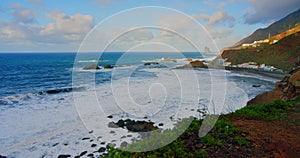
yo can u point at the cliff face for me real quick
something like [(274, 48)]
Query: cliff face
[(283, 54), (275, 28)]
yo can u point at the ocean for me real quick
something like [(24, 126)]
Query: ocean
[(48, 103)]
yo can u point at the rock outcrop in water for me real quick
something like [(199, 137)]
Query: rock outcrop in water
[(194, 64), (286, 89), (108, 66), (151, 63), (92, 67)]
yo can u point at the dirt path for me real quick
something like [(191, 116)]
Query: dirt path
[(281, 138)]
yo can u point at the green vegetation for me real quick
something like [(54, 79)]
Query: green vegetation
[(223, 134), (209, 140), (269, 112), (242, 141), (282, 54), (217, 137)]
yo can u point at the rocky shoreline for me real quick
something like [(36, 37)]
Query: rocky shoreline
[(288, 88)]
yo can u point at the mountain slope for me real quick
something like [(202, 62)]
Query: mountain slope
[(283, 54), (277, 27)]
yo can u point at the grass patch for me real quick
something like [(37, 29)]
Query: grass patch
[(242, 141), (209, 140), (269, 112)]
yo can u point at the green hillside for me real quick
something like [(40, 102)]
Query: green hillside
[(283, 54)]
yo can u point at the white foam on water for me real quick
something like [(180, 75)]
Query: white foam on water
[(35, 128)]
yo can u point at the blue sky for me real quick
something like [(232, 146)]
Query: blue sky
[(59, 26)]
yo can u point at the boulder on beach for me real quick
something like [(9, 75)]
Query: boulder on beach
[(134, 126), (92, 67)]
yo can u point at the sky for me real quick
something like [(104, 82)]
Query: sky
[(133, 25)]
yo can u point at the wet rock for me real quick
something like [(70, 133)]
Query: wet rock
[(2, 156), (160, 124), (91, 131), (129, 135), (112, 132), (151, 63), (52, 145), (102, 143), (139, 126), (64, 156), (101, 149), (108, 66), (85, 138), (256, 86), (123, 144), (112, 125), (90, 155), (93, 145), (123, 137), (83, 153), (92, 67), (109, 116), (134, 126), (121, 123)]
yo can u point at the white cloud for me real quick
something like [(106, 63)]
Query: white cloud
[(217, 18), (264, 11), (69, 27), (22, 14), (11, 33), (65, 33)]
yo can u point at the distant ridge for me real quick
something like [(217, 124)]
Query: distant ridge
[(277, 27)]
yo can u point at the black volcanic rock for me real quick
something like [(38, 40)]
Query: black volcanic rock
[(108, 66), (64, 156), (92, 67), (134, 126), (194, 64)]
